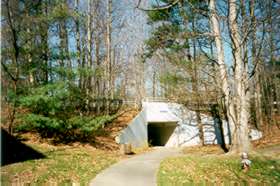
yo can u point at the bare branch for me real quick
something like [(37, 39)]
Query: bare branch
[(258, 55), (8, 72)]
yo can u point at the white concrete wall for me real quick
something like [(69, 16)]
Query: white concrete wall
[(158, 112), (136, 132), (185, 134)]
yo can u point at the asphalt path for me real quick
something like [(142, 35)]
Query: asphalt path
[(140, 170)]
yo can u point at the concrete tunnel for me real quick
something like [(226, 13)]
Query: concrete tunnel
[(160, 132), (153, 126), (156, 123)]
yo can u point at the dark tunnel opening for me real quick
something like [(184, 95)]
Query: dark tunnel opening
[(159, 133)]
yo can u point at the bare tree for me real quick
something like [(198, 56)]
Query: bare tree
[(11, 8)]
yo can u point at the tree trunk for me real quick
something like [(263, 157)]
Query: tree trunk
[(195, 87), (78, 42), (257, 92), (109, 49), (15, 60), (229, 109), (112, 73), (98, 77), (240, 141), (63, 42), (29, 45), (272, 59), (29, 59), (89, 52), (108, 65)]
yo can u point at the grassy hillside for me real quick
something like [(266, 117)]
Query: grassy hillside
[(198, 166), (75, 162), (62, 164)]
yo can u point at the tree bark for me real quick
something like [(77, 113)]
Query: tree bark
[(78, 42), (109, 49), (240, 141), (108, 65), (229, 109), (29, 59), (44, 36), (88, 77), (255, 60), (15, 59), (195, 87)]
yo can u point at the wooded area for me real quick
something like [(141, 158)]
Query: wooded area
[(69, 66)]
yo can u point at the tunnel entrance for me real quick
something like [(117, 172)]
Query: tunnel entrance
[(159, 133)]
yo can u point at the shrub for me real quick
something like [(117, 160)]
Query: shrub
[(53, 110), (75, 128)]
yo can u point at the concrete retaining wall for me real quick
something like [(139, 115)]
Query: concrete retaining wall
[(185, 134), (136, 132)]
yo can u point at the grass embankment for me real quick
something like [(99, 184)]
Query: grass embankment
[(67, 163), (63, 164), (218, 168)]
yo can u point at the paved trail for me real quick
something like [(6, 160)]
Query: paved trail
[(140, 170)]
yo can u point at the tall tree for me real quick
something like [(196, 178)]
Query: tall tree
[(110, 89), (240, 139), (235, 86)]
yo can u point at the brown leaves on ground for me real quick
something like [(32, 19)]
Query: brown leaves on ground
[(106, 140), (204, 150), (63, 164), (271, 136), (208, 165)]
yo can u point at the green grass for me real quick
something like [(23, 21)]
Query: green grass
[(188, 170), (63, 164)]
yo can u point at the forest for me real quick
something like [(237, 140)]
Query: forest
[(68, 67)]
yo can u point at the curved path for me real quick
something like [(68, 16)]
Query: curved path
[(140, 170)]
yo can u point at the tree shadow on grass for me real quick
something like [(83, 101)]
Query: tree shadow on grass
[(13, 151)]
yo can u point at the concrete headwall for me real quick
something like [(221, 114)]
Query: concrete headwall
[(136, 132), (159, 112), (185, 134)]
